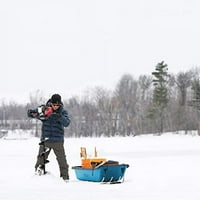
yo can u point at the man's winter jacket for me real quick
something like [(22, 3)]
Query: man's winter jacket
[(53, 126)]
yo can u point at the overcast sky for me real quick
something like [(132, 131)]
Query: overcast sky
[(68, 46)]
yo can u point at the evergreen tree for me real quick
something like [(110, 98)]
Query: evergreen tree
[(196, 90), (160, 95), (195, 102)]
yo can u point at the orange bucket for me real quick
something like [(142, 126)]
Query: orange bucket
[(91, 162)]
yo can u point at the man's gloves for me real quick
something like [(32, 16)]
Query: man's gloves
[(54, 115), (32, 113)]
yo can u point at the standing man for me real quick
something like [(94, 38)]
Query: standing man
[(54, 118)]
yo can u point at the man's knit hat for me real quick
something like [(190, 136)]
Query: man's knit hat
[(56, 98)]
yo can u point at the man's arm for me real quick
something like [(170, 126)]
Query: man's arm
[(65, 118)]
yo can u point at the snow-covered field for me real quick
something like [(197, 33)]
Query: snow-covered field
[(163, 167)]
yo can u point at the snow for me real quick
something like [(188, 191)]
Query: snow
[(161, 168)]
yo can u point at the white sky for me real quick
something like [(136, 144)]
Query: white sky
[(67, 46)]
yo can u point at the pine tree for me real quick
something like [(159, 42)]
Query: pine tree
[(196, 90), (160, 94), (195, 102)]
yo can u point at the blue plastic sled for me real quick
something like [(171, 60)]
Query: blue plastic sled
[(103, 173)]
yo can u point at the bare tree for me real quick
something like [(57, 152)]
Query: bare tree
[(144, 93), (126, 94)]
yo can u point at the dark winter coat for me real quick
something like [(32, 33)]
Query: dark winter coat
[(53, 126)]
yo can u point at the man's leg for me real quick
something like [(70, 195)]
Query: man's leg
[(58, 148)]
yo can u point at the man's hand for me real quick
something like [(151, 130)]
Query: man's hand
[(54, 115), (32, 113)]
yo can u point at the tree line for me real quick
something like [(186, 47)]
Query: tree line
[(155, 103)]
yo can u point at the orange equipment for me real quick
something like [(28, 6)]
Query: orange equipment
[(90, 162)]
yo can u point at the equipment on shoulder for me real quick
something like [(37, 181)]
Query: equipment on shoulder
[(40, 112)]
